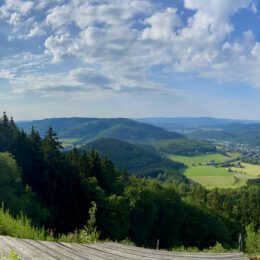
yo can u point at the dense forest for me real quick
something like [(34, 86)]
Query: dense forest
[(56, 188), (141, 160)]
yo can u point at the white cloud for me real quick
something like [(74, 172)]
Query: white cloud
[(162, 25), (120, 40), (11, 6), (254, 7)]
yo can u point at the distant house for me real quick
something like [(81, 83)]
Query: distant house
[(212, 163)]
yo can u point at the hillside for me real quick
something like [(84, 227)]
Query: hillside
[(248, 134), (185, 123), (140, 160), (231, 130), (184, 146), (83, 130)]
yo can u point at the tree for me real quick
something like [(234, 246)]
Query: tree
[(51, 146), (10, 181)]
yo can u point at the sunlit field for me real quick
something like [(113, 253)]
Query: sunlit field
[(215, 176)]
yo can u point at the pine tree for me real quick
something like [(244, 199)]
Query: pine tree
[(51, 146)]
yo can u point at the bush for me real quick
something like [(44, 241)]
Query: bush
[(19, 227), (252, 241), (217, 248)]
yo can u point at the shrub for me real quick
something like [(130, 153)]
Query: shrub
[(19, 227), (252, 241)]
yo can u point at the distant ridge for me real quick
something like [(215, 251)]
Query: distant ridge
[(181, 123), (89, 129)]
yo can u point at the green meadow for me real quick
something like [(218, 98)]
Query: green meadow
[(203, 159), (248, 169), (215, 176)]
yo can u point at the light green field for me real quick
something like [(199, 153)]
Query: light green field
[(219, 181), (211, 176), (207, 171), (248, 169), (203, 159)]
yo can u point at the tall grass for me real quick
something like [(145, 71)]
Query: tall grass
[(217, 248), (19, 227)]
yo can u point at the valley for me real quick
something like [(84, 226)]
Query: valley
[(148, 151)]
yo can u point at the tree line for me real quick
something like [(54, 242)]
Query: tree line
[(55, 189)]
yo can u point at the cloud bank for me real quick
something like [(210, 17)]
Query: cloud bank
[(115, 45)]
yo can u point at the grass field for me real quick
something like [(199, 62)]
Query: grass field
[(203, 159), (207, 171), (211, 176), (248, 169)]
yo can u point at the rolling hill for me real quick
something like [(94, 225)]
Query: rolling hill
[(184, 146), (248, 134), (137, 159), (187, 123), (231, 130), (83, 130)]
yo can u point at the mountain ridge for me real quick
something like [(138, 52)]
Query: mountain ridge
[(89, 129)]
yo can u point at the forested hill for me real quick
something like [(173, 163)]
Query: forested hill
[(231, 130), (138, 159), (185, 123), (84, 130)]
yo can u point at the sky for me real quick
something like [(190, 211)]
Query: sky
[(130, 58)]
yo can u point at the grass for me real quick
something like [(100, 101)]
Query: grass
[(12, 256), (203, 159), (21, 227), (207, 171), (217, 248), (211, 176), (248, 169)]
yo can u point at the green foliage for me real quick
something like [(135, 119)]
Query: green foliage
[(140, 160), (155, 212), (217, 248), (184, 146), (10, 180), (115, 218), (12, 256), (252, 240), (20, 227), (127, 242)]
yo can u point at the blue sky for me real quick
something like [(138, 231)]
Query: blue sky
[(130, 58)]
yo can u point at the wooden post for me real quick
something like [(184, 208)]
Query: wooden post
[(240, 242), (158, 244)]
